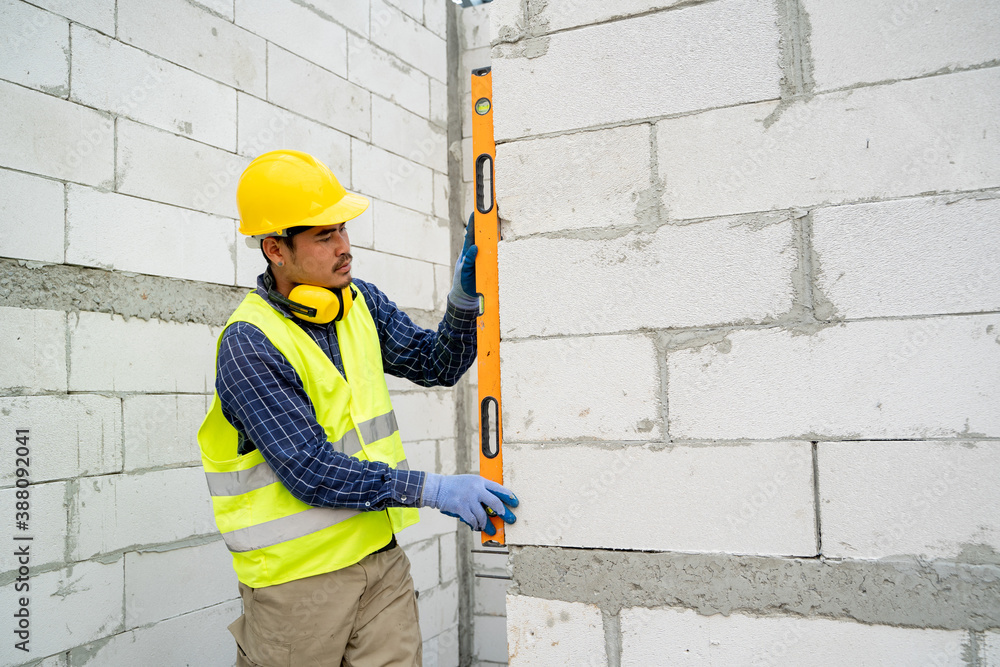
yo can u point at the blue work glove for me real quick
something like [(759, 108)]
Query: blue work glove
[(470, 498), (463, 284)]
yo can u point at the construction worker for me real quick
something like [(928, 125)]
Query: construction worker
[(305, 464)]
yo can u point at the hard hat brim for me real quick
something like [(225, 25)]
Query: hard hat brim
[(349, 207)]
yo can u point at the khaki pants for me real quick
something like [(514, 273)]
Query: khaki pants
[(363, 615)]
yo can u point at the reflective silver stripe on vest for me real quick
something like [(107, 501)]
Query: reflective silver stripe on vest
[(286, 528), (403, 465), (379, 427), (240, 481), (259, 476)]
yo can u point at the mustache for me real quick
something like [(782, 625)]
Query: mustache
[(345, 259)]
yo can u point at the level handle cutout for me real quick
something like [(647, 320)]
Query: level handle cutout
[(489, 420), (484, 183)]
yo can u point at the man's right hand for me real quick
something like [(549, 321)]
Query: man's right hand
[(467, 497)]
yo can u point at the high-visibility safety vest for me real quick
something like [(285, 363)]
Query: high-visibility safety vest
[(273, 536)]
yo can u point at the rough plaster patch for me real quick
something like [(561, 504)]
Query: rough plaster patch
[(938, 594), (74, 288)]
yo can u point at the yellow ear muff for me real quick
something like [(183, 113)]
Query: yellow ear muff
[(329, 305)]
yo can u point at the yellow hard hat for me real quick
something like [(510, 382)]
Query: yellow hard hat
[(283, 189)]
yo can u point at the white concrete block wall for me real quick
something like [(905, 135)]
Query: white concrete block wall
[(757, 498), (877, 142), (862, 41), (671, 636), (920, 256), (550, 632), (652, 66), (883, 499), (912, 378), (125, 127), (749, 317)]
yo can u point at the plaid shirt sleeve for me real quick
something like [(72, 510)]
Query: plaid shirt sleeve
[(263, 397)]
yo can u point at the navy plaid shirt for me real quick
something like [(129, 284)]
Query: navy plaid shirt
[(263, 398)]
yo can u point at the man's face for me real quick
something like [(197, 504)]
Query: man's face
[(318, 256)]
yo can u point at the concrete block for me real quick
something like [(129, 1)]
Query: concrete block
[(362, 228), (474, 27), (757, 498), (299, 85), (425, 415), (194, 38), (550, 392), (301, 28), (491, 596), (880, 142), (150, 238), (438, 609), (473, 59), (990, 649), (407, 282), (264, 127), (401, 231), (35, 48), (34, 350), (386, 75), (549, 18), (931, 499), (164, 167), (70, 436), (447, 450), (52, 137), (404, 133), (408, 40), (720, 271), (198, 638), (468, 162), (97, 14), (443, 277), (862, 41), (69, 607), (900, 379), (909, 257), (223, 8), (120, 511), (59, 660), (442, 195), (108, 353), (32, 217), (389, 177), (424, 564), (415, 10), (422, 455), (160, 430), (162, 584), (490, 641), (651, 66), (432, 524), (552, 632), (151, 91), (439, 103), (436, 16), (507, 21), (565, 182), (449, 557), (44, 520), (682, 636), (249, 262)]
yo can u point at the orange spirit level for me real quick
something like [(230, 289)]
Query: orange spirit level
[(488, 324)]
